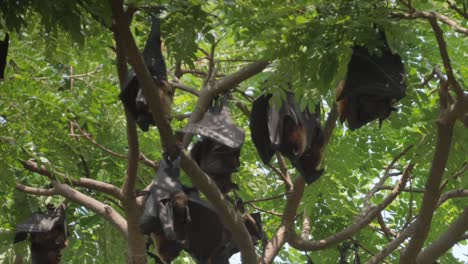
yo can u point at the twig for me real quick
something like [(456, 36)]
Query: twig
[(81, 182), (185, 88), (266, 211), (404, 234), (431, 15), (267, 198), (142, 158), (36, 191), (458, 10), (388, 187), (300, 244), (387, 232), (385, 176), (457, 174)]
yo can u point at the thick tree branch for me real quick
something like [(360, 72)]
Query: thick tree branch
[(297, 242), (228, 215), (231, 81), (212, 89), (149, 87), (459, 193), (92, 184), (230, 218), (136, 251), (446, 240), (277, 241), (431, 192)]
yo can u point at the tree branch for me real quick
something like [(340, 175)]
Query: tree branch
[(185, 88), (228, 215), (292, 203), (104, 210), (35, 191), (378, 186), (266, 211), (410, 229), (458, 10), (297, 242), (387, 232), (431, 15), (142, 158), (266, 199), (90, 203), (230, 218), (92, 184), (211, 90), (446, 240), (431, 192)]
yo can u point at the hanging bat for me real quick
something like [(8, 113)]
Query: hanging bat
[(178, 219), (217, 152), (218, 161), (3, 54), (373, 84), (132, 95), (49, 235), (294, 133)]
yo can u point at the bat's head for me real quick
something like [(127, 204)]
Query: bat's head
[(295, 138)]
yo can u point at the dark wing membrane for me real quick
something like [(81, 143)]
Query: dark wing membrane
[(259, 128), (218, 127), (372, 75), (3, 54), (157, 214), (131, 95)]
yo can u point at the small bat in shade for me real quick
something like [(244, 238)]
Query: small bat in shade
[(3, 54), (132, 95), (373, 84), (294, 133), (178, 219), (49, 234)]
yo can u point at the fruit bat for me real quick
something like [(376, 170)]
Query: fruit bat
[(49, 234), (373, 84), (178, 219), (3, 54), (217, 152), (218, 161), (132, 96), (294, 133), (217, 124)]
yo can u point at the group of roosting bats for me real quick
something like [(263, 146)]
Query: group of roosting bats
[(175, 216)]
